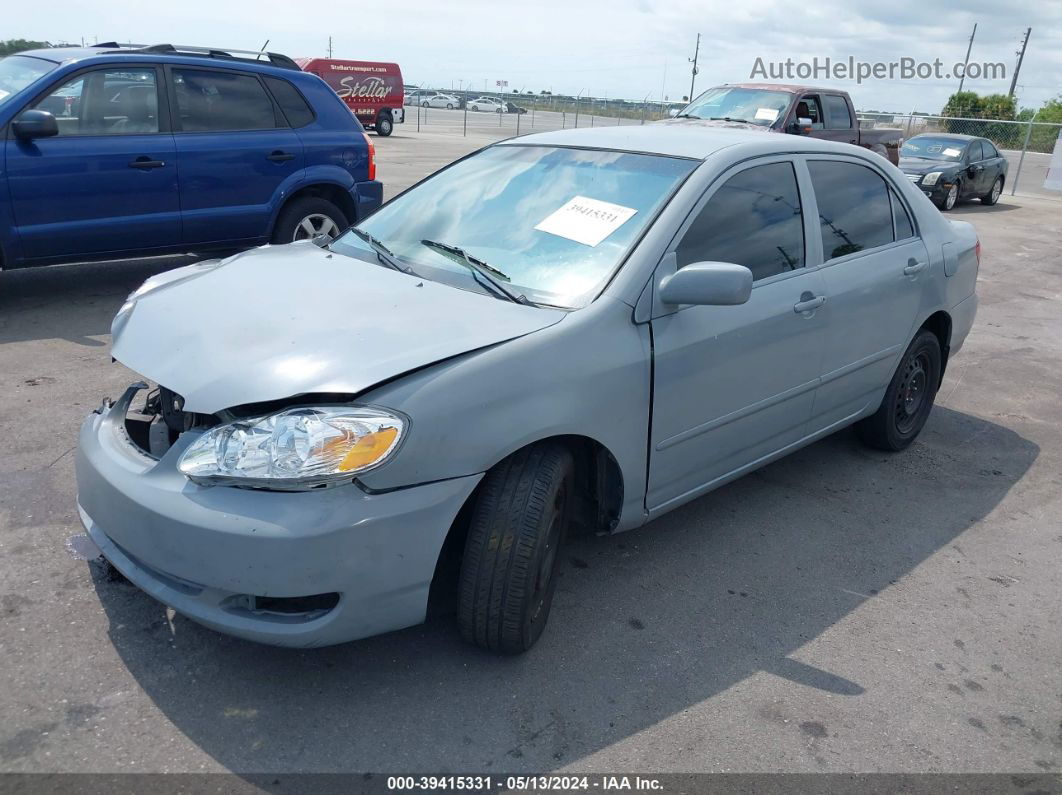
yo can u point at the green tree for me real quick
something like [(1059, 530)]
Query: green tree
[(963, 104), (11, 46)]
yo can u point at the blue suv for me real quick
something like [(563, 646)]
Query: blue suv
[(112, 152)]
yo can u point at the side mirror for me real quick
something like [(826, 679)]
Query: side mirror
[(709, 284), (35, 124), (801, 126), (673, 112), (971, 171)]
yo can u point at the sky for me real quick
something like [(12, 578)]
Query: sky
[(630, 49)]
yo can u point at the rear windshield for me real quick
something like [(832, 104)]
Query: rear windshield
[(557, 222), (18, 71)]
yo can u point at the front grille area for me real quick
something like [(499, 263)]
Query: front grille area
[(156, 425)]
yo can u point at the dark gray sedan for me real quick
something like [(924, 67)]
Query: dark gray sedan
[(576, 329), (950, 168)]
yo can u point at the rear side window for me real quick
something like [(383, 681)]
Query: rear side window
[(855, 213), (209, 101), (292, 104), (837, 115), (904, 227), (754, 219)]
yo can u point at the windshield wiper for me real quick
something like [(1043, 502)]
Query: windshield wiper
[(687, 116), (383, 253), (727, 118), (479, 268)]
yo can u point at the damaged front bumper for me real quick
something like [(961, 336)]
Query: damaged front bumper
[(308, 568)]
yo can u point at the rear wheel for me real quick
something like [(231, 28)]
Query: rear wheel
[(307, 218), (384, 125), (449, 106), (993, 195), (909, 398), (518, 525)]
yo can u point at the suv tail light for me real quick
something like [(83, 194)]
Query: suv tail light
[(372, 155)]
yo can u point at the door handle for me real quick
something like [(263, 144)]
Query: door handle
[(913, 267), (280, 157), (808, 304), (144, 162)]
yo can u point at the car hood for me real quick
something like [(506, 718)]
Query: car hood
[(281, 321), (912, 165)]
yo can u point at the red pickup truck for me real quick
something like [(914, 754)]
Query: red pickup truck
[(799, 110), (372, 91)]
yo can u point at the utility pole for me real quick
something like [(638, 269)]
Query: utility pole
[(693, 60), (1021, 57), (329, 48), (967, 61)]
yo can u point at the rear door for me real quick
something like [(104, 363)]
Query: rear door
[(234, 149), (839, 126), (735, 384), (108, 181), (875, 268)]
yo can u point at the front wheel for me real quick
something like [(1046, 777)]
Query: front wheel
[(950, 199), (449, 106), (307, 218), (518, 525), (909, 398), (993, 195)]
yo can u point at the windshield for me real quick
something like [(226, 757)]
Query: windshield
[(18, 71), (931, 148), (555, 222), (752, 105)]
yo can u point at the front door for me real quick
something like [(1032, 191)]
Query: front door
[(235, 150), (875, 267), (108, 181), (734, 384)]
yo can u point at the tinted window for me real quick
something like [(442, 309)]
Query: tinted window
[(754, 219), (115, 102), (975, 152), (989, 149), (215, 101), (294, 107), (854, 209), (837, 112), (904, 227)]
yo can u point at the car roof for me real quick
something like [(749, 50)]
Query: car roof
[(788, 88), (688, 138), (111, 53)]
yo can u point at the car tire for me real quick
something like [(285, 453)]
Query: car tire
[(449, 106), (425, 104), (474, 108), (951, 198), (385, 125), (993, 195), (290, 223), (508, 571), (908, 399)]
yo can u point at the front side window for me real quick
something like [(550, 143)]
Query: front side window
[(556, 222), (976, 154), (106, 102), (215, 101), (837, 112), (808, 108), (754, 220), (855, 213)]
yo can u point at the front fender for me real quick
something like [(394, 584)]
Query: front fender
[(588, 375)]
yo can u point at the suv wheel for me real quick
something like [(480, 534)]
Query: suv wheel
[(384, 125), (909, 398), (509, 568), (306, 218)]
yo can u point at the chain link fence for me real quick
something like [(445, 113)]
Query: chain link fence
[(1033, 149)]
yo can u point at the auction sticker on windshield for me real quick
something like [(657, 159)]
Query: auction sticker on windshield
[(587, 221), (766, 114)]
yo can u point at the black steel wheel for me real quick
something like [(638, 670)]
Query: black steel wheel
[(909, 398)]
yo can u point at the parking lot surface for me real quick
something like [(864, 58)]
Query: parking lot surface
[(840, 610)]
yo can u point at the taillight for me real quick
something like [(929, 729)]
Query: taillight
[(372, 156), (977, 251)]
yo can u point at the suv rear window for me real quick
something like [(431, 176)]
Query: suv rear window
[(294, 107), (209, 101)]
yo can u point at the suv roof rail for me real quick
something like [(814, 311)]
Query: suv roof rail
[(274, 58)]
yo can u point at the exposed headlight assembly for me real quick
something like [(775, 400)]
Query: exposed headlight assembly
[(931, 178), (296, 448)]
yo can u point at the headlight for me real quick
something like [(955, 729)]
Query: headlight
[(294, 448), (931, 178)]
